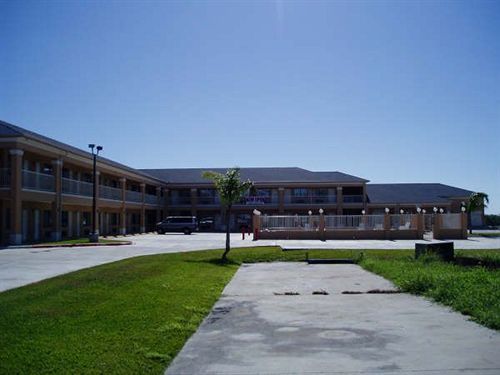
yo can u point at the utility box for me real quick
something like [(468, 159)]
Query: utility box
[(444, 250)]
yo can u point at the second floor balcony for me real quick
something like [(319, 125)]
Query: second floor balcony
[(259, 200), (133, 196), (180, 201), (109, 192), (4, 177), (353, 199), (312, 199), (150, 198), (38, 181), (76, 187)]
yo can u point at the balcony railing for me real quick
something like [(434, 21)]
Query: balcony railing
[(38, 181), (151, 199), (76, 187), (133, 196), (353, 199), (258, 200), (180, 201), (208, 200), (108, 192), (4, 177), (318, 199)]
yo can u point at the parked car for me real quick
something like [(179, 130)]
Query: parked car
[(185, 224), (206, 223)]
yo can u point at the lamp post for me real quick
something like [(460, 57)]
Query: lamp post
[(94, 235)]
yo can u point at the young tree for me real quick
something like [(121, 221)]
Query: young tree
[(476, 200), (230, 189)]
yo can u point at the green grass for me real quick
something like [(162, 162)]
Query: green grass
[(487, 234), (133, 316), (474, 291)]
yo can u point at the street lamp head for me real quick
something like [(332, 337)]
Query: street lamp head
[(99, 148), (321, 211), (91, 145), (424, 211), (463, 208), (387, 210), (441, 210), (401, 211), (310, 212), (419, 209), (363, 212), (435, 209)]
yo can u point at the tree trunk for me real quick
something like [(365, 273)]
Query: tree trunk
[(228, 236)]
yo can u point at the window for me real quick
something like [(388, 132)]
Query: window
[(64, 218), (47, 218), (85, 218), (300, 192)]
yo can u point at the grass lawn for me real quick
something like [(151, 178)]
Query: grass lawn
[(487, 234), (133, 316)]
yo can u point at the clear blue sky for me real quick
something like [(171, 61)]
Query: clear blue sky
[(390, 91)]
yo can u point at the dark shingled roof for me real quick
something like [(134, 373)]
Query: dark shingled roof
[(413, 193), (9, 130), (258, 175)]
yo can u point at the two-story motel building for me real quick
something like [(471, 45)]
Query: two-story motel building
[(46, 192)]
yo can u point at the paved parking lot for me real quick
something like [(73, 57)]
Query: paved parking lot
[(21, 266), (255, 329)]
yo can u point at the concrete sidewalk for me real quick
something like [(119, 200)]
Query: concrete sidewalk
[(21, 266), (255, 329)]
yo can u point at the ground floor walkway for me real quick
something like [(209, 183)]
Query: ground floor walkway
[(21, 266), (269, 321)]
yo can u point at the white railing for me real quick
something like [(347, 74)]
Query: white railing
[(151, 199), (401, 221), (451, 221), (289, 222), (343, 221), (133, 196), (108, 192), (38, 181), (76, 187), (4, 177)]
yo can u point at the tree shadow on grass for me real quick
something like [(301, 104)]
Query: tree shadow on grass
[(217, 262)]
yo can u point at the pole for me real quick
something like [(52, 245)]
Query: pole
[(94, 237)]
